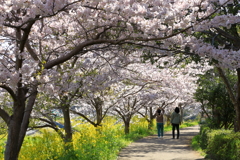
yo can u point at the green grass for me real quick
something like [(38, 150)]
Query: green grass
[(196, 146)]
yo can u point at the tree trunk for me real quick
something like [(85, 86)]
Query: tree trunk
[(237, 104), (127, 126), (151, 118), (67, 123), (235, 101), (12, 147), (18, 123), (98, 103)]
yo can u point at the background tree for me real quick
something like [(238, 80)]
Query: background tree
[(81, 90), (215, 99), (132, 95)]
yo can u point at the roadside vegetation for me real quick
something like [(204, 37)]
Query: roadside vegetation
[(217, 139), (217, 144), (89, 142)]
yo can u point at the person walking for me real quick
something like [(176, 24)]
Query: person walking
[(160, 124), (176, 121)]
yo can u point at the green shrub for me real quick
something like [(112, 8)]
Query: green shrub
[(195, 143), (203, 140), (219, 144), (224, 146)]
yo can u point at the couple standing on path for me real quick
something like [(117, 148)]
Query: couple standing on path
[(175, 121), (150, 148)]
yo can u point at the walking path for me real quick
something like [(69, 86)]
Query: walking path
[(153, 148)]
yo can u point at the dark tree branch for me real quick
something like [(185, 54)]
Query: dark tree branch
[(85, 117), (227, 35), (31, 51), (5, 116), (10, 91), (228, 86)]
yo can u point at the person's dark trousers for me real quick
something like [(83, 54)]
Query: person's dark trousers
[(173, 130)]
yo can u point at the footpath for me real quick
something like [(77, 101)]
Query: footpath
[(154, 148)]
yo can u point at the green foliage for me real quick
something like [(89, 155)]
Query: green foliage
[(138, 129), (218, 144), (148, 56), (45, 146), (224, 146), (189, 123), (195, 142), (3, 127), (2, 144), (102, 143), (204, 137), (212, 93), (196, 145), (215, 37), (5, 99)]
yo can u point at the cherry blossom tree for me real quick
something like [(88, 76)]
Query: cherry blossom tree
[(44, 115), (130, 101), (177, 81), (39, 35), (217, 38), (96, 88), (83, 88)]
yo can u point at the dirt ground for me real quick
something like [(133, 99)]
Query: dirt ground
[(153, 148)]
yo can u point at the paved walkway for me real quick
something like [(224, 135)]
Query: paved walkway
[(152, 148)]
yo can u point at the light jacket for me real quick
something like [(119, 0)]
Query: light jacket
[(176, 118)]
